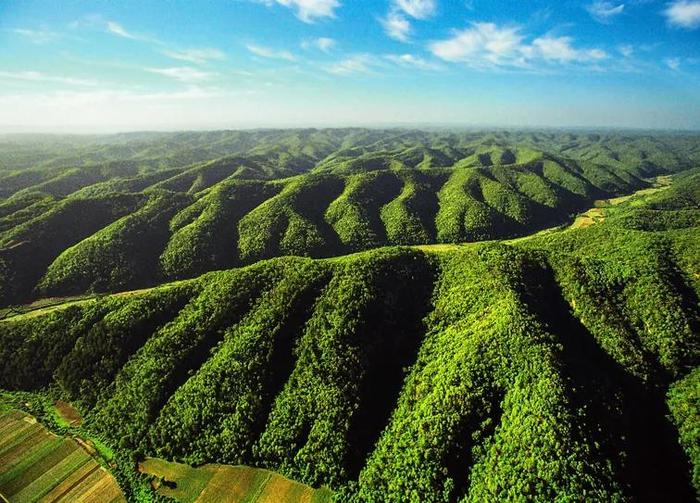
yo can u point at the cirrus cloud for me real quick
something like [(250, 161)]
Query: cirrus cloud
[(40, 36), (604, 11), (183, 73), (673, 63), (412, 61), (196, 56), (358, 63), (324, 44), (266, 52), (34, 76), (310, 10)]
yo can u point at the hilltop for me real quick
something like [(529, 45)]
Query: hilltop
[(102, 214), (560, 365)]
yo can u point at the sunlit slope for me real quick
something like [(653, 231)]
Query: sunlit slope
[(543, 370), (156, 224)]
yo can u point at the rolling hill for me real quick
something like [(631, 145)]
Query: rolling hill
[(70, 226), (407, 317)]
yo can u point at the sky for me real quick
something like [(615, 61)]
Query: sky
[(101, 66)]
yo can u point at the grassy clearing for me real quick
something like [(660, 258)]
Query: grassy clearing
[(597, 213), (67, 415), (222, 483), (177, 480), (27, 312), (590, 217), (440, 247), (44, 306), (36, 465)]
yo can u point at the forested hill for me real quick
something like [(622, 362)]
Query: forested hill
[(562, 366), (110, 213)]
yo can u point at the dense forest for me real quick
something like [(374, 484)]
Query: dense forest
[(396, 315), (122, 212)]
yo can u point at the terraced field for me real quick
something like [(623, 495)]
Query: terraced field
[(230, 484), (36, 465)]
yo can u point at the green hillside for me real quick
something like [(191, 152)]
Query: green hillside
[(214, 200), (393, 331)]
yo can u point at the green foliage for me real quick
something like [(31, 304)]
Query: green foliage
[(463, 214), (123, 254), (484, 414), (209, 241), (349, 364), (409, 218), (32, 350), (629, 292), (542, 370), (199, 422), (246, 196), (354, 215), (162, 364), (99, 354), (684, 402), (30, 247), (291, 223)]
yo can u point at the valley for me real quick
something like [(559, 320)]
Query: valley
[(409, 316)]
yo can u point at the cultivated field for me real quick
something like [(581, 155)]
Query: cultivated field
[(232, 484), (36, 465)]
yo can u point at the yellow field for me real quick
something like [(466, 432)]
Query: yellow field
[(227, 484), (590, 217), (38, 466)]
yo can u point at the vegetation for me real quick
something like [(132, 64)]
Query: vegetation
[(77, 212), (219, 482), (302, 338), (38, 465)]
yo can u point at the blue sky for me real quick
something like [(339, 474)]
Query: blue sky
[(126, 65)]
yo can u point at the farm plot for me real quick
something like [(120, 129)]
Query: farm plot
[(231, 484), (36, 465)]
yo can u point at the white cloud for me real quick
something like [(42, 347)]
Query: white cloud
[(488, 45), (183, 73), (309, 10), (559, 49), (266, 52), (119, 30), (324, 44), (396, 26), (412, 61), (684, 13), (34, 76), (196, 56), (417, 9), (483, 42), (626, 50), (604, 11), (37, 36), (673, 63), (359, 63)]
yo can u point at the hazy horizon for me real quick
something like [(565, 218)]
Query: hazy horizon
[(129, 66), (484, 128)]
